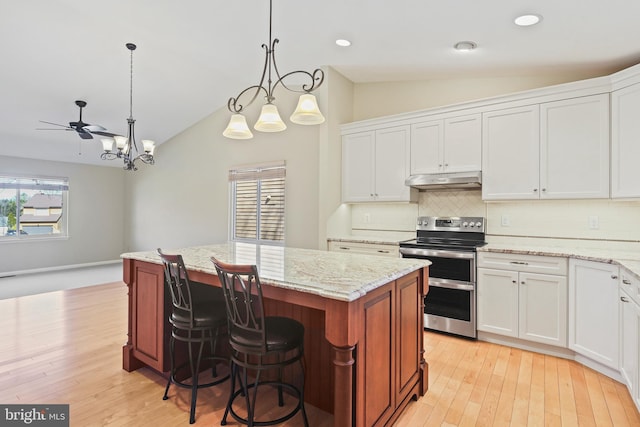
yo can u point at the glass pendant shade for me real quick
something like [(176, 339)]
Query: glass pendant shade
[(237, 128), (307, 111), (269, 120), (149, 146), (121, 142), (107, 144)]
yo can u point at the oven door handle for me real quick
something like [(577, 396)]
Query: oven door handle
[(449, 285), (437, 253)]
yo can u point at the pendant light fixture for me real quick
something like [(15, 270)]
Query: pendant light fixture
[(306, 113), (126, 147)]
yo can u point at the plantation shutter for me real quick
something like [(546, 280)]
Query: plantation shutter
[(258, 202)]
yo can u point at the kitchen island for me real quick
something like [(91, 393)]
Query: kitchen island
[(363, 318)]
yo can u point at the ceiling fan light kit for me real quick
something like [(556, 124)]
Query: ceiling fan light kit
[(307, 112), (126, 147)]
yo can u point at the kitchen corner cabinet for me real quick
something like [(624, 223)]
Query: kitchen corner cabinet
[(553, 150), (625, 142), (593, 311), (375, 165), (523, 296), (629, 340), (365, 248), (448, 145)]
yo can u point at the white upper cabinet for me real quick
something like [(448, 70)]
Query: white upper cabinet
[(511, 153), (574, 148), (625, 142), (447, 145), (554, 150), (375, 165)]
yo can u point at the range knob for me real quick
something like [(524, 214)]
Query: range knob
[(466, 224), (478, 224)]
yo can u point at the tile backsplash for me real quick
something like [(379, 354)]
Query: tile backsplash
[(590, 220)]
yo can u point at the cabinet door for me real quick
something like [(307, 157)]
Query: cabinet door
[(498, 301), (543, 308), (574, 148), (593, 311), (392, 159), (629, 354), (625, 142), (427, 143), (357, 167), (463, 144), (510, 153)]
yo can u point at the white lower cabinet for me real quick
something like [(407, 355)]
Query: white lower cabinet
[(629, 339), (519, 302), (593, 311)]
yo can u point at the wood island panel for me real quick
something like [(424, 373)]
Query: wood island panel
[(371, 345)]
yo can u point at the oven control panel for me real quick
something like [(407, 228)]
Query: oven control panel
[(450, 223)]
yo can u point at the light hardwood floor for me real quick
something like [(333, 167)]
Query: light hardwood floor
[(65, 347)]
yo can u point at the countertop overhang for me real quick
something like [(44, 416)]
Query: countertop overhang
[(335, 275)]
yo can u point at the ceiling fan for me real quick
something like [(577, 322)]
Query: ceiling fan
[(85, 130)]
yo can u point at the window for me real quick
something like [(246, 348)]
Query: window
[(32, 206), (257, 203)]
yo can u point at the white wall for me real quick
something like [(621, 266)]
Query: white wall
[(184, 199), (96, 217)]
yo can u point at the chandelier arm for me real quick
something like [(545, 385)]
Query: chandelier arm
[(233, 103), (316, 77)]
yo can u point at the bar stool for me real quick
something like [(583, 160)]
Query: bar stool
[(197, 316), (256, 340)]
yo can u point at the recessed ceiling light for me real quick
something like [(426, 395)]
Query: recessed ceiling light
[(465, 46), (343, 42), (527, 20)]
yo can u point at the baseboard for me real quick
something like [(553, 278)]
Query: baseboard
[(57, 268)]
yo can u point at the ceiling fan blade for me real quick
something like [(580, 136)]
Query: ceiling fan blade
[(55, 124), (67, 129), (85, 135), (94, 128)]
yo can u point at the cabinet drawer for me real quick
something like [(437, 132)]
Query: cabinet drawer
[(365, 248), (631, 285), (524, 263)]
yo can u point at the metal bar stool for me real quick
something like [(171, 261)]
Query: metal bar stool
[(256, 340), (197, 316)]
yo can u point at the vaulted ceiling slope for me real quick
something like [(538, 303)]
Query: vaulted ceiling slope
[(192, 56)]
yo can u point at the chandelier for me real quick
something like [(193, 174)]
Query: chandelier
[(306, 113), (126, 147)]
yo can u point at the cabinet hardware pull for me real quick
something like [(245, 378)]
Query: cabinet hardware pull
[(544, 189), (513, 281), (626, 281), (519, 262), (535, 190), (614, 277), (345, 248), (383, 251), (624, 299), (523, 283)]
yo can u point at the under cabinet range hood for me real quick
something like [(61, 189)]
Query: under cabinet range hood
[(454, 180)]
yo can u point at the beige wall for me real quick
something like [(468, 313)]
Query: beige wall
[(95, 217), (382, 99), (184, 199)]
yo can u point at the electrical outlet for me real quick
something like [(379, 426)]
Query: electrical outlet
[(594, 222), (505, 221)]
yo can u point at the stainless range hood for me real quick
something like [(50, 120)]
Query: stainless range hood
[(454, 180)]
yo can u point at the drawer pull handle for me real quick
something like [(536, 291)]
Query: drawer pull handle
[(383, 251), (345, 248), (626, 281), (624, 299), (519, 262), (614, 277)]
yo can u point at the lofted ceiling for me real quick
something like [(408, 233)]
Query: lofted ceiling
[(193, 55)]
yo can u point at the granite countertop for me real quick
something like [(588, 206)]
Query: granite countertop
[(627, 259), (334, 275), (374, 240)]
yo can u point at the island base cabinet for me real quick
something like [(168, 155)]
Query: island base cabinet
[(629, 335), (593, 311)]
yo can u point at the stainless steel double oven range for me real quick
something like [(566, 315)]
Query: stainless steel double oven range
[(450, 244)]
